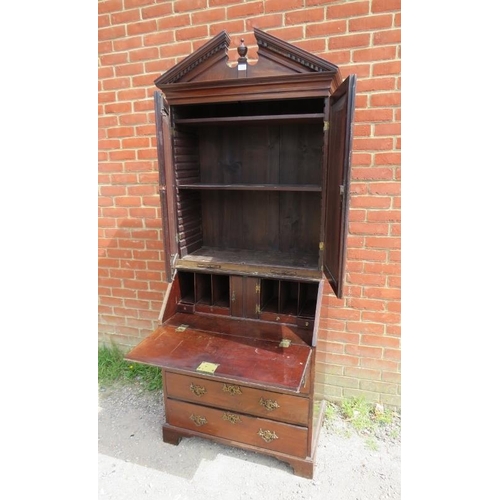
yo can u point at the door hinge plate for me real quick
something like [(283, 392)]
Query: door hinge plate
[(326, 126), (285, 343)]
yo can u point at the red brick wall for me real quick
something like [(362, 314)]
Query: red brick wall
[(359, 345)]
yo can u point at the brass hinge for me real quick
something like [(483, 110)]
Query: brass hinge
[(326, 126), (321, 245), (285, 343), (182, 328), (257, 288), (162, 188), (257, 309)]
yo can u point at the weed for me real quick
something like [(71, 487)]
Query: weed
[(113, 368)]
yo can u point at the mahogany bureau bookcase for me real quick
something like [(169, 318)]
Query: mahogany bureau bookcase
[(254, 166)]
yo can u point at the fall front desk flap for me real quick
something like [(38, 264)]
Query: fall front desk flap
[(274, 355)]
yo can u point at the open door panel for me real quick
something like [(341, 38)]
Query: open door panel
[(337, 183)]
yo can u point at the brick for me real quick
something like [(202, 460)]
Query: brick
[(392, 354), (389, 129), (111, 33), (364, 327), (131, 42), (314, 45), (367, 255), (113, 59), (122, 155), (386, 99), (281, 5), (386, 68), (381, 364), (129, 69), (387, 37), (191, 33), (374, 54), (371, 397), (208, 16), (263, 22), (354, 371), (368, 228), (155, 11), (390, 188), (381, 317), (233, 27), (380, 242), (305, 16), (328, 28), (388, 158), (246, 9), (362, 351), (337, 359), (109, 144), (116, 83), (372, 144), (370, 23), (290, 33), (347, 10), (145, 54), (386, 5), (106, 97), (131, 94), (126, 16), (141, 27), (371, 84), (372, 173), (112, 190), (373, 115), (109, 6), (366, 304), (378, 386), (349, 41), (175, 21)]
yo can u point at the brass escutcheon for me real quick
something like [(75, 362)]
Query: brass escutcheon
[(231, 417), (232, 389), (198, 390), (267, 436), (269, 404), (198, 420)]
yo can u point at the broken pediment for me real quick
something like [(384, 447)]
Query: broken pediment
[(275, 58)]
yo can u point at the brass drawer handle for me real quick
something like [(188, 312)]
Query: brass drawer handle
[(198, 390), (232, 389), (231, 417), (198, 420), (267, 436), (269, 404)]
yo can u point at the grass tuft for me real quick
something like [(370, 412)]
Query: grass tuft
[(114, 369)]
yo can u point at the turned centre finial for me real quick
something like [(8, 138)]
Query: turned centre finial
[(242, 49)]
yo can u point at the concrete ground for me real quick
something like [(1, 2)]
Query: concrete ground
[(134, 463)]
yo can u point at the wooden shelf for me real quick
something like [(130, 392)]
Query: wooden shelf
[(254, 187), (271, 119)]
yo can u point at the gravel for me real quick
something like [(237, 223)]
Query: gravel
[(135, 463)]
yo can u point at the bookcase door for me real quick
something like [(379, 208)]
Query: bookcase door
[(337, 182), (166, 181)]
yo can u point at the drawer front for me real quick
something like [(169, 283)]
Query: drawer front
[(264, 433), (272, 405)]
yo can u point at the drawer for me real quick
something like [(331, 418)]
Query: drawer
[(258, 402), (264, 433)]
